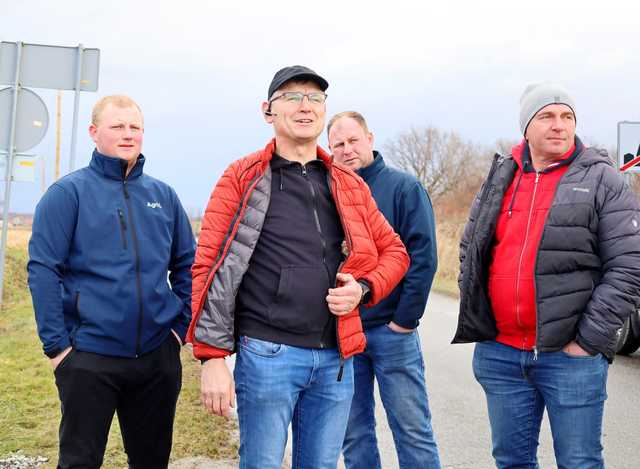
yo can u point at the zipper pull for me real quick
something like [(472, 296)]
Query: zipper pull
[(538, 173), (124, 188), (535, 354), (122, 221), (304, 170), (341, 369)]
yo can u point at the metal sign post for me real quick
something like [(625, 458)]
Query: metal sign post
[(9, 170), (76, 102), (40, 66), (58, 68)]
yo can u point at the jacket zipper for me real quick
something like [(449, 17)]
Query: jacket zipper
[(535, 268), (134, 238), (334, 192), (243, 202), (123, 228), (316, 218), (497, 161), (524, 246)]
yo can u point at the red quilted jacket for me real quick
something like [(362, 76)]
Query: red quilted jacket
[(518, 232), (375, 252)]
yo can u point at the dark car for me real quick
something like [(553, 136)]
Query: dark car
[(628, 339)]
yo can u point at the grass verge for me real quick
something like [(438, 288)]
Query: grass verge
[(30, 409), (29, 405), (448, 236)]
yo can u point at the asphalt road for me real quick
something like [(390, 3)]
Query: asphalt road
[(460, 414)]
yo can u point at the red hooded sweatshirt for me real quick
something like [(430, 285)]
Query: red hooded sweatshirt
[(518, 232)]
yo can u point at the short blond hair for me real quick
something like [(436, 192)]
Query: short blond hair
[(356, 116), (118, 100)]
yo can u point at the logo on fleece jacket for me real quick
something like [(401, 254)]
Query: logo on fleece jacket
[(154, 205)]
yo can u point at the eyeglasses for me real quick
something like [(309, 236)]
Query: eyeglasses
[(296, 97)]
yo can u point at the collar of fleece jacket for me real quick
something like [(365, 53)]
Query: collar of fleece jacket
[(114, 168)]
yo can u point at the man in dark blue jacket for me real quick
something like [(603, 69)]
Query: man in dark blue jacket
[(393, 356), (104, 239)]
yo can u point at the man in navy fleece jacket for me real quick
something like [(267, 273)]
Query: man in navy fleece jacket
[(393, 356), (104, 239)]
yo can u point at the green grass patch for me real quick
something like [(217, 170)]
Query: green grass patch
[(29, 405), (15, 276)]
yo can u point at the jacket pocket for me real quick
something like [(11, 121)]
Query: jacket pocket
[(300, 304), (76, 304), (78, 315), (263, 348), (123, 228)]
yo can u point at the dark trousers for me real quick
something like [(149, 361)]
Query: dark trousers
[(143, 391)]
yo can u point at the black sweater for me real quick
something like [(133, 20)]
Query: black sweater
[(282, 297)]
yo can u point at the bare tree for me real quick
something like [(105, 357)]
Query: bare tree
[(504, 146), (442, 161)]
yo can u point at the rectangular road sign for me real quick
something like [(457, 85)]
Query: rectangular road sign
[(24, 166), (52, 67), (628, 146)]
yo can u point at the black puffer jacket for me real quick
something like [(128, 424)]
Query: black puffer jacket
[(587, 274)]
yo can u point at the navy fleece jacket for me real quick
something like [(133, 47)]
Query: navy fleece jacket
[(407, 207), (110, 261)]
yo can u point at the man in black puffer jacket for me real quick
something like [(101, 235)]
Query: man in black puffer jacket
[(550, 269)]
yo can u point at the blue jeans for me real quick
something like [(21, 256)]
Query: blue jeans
[(278, 385), (395, 360), (519, 387)]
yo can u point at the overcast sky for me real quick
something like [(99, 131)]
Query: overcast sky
[(200, 70)]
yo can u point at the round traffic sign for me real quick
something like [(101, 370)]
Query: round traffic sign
[(32, 119)]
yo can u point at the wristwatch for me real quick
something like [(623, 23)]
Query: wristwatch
[(366, 292)]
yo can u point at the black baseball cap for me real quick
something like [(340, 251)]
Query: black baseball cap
[(297, 72)]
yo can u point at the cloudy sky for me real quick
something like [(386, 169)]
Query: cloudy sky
[(200, 69)]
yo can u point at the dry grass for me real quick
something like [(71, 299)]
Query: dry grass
[(29, 406), (448, 236), (15, 273), (18, 237)]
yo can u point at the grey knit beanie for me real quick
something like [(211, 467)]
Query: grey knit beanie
[(538, 95)]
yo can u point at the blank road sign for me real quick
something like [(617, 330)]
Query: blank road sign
[(24, 167), (32, 119), (52, 67), (628, 144)]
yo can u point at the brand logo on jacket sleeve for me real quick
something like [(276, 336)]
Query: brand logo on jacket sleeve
[(154, 205)]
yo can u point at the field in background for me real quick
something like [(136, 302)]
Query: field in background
[(18, 237), (448, 235), (29, 406)]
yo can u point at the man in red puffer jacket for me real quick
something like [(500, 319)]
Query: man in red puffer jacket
[(291, 245), (550, 269)]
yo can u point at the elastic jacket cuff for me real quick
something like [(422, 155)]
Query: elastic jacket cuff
[(205, 352), (587, 348), (406, 323), (58, 348)]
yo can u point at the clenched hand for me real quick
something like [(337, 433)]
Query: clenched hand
[(346, 297)]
